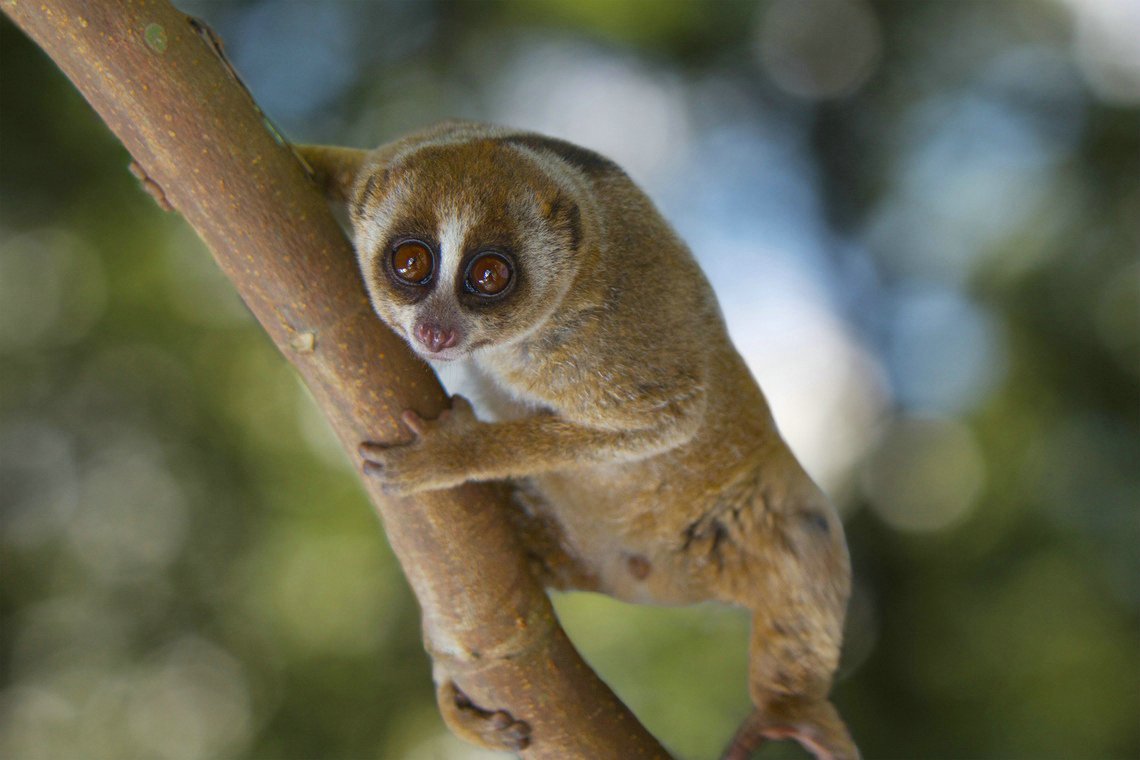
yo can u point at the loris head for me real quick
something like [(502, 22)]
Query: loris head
[(464, 241)]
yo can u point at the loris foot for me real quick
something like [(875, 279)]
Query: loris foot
[(432, 460), (491, 729), (815, 725)]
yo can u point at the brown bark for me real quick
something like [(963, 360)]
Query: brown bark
[(204, 147)]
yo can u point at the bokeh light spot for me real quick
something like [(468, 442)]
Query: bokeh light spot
[(1106, 49), (926, 474), (51, 290), (946, 354), (193, 702), (819, 49)]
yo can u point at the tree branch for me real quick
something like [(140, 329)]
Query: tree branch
[(202, 145)]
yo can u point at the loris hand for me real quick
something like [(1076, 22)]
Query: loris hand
[(434, 459)]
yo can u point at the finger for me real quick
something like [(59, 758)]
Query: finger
[(371, 451), (414, 422)]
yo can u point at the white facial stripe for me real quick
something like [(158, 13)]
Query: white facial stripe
[(452, 232), (367, 232)]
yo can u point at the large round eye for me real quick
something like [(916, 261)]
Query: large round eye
[(488, 274), (412, 262)]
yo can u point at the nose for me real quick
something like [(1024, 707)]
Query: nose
[(435, 338)]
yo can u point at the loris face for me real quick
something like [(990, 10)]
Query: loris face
[(464, 246)]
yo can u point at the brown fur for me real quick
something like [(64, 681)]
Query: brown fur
[(647, 461)]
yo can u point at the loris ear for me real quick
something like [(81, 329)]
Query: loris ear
[(564, 214), (334, 169)]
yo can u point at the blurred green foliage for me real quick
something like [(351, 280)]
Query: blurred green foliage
[(924, 222)]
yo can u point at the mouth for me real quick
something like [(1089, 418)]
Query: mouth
[(446, 355), (453, 353)]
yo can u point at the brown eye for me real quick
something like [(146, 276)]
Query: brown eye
[(488, 275), (412, 262)]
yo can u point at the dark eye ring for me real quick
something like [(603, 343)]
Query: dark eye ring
[(488, 274), (413, 262)]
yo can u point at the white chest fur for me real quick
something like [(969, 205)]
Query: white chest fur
[(492, 402)]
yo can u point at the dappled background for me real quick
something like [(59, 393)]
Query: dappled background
[(923, 222)]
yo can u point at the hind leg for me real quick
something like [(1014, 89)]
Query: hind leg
[(543, 540), (793, 655), (791, 569)]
